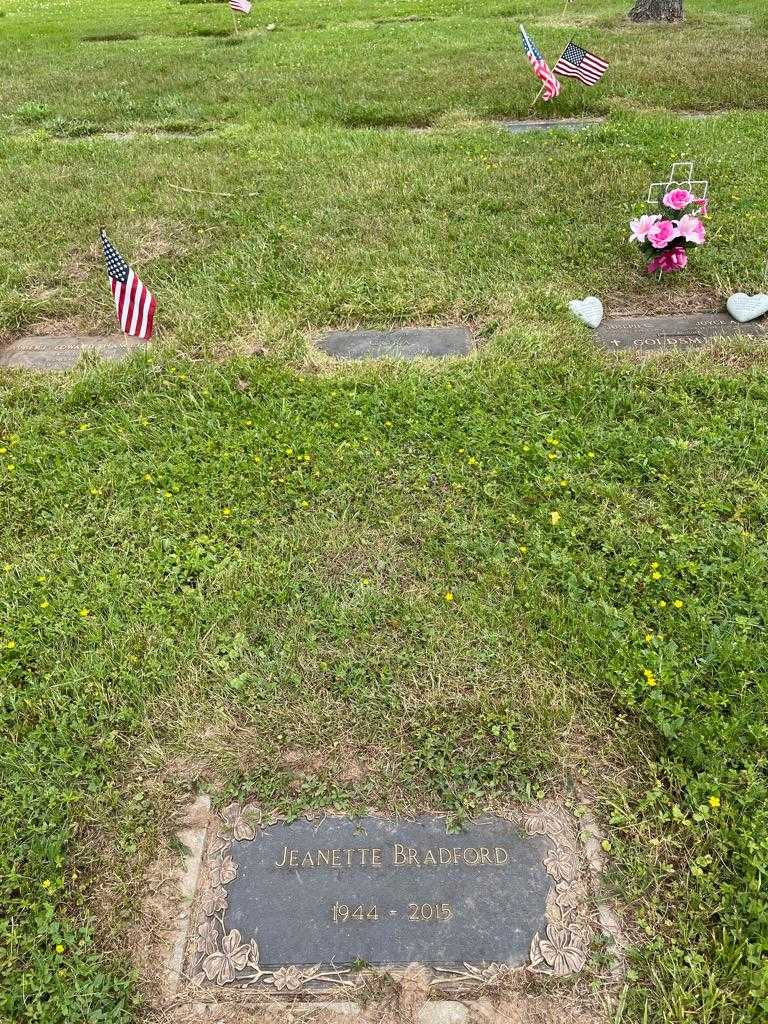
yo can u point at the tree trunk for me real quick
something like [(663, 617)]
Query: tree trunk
[(657, 10)]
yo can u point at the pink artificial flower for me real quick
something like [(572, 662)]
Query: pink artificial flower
[(676, 259), (661, 234), (678, 198), (642, 226), (703, 207), (691, 229)]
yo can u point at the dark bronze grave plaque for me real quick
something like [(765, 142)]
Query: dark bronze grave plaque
[(665, 333), (406, 343), (294, 905)]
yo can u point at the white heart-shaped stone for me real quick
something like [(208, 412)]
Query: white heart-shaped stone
[(747, 307), (590, 310)]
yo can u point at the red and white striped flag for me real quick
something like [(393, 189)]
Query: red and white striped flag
[(551, 86), (243, 6), (134, 302)]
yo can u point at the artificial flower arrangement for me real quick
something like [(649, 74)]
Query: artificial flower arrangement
[(667, 236)]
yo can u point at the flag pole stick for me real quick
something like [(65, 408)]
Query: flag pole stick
[(234, 20)]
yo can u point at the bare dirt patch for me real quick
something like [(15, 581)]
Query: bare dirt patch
[(662, 301)]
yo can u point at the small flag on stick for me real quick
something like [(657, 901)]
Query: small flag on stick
[(134, 302), (550, 86), (242, 6), (576, 62)]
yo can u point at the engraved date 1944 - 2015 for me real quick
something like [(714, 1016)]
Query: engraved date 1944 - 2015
[(342, 913)]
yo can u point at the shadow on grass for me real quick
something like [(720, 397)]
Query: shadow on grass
[(117, 37), (384, 121), (206, 33)]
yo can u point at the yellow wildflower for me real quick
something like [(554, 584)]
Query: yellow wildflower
[(85, 612), (554, 518), (449, 596), (678, 603), (714, 802)]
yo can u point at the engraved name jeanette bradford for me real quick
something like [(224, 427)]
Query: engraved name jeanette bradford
[(398, 856), (291, 906)]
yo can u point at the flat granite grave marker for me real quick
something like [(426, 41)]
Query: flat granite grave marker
[(295, 905), (61, 352), (405, 343), (569, 124), (666, 333)]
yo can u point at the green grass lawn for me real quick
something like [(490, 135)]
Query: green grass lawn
[(232, 575)]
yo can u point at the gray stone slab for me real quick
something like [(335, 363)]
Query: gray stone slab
[(665, 333), (406, 343), (388, 892), (61, 352), (569, 124)]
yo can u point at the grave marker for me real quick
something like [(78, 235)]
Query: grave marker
[(568, 124), (666, 333), (294, 906), (405, 343), (61, 352)]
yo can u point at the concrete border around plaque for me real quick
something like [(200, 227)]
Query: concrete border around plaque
[(516, 891), (400, 343), (62, 351), (671, 333)]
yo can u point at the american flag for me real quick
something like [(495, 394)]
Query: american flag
[(244, 6), (576, 62), (134, 302), (540, 67)]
